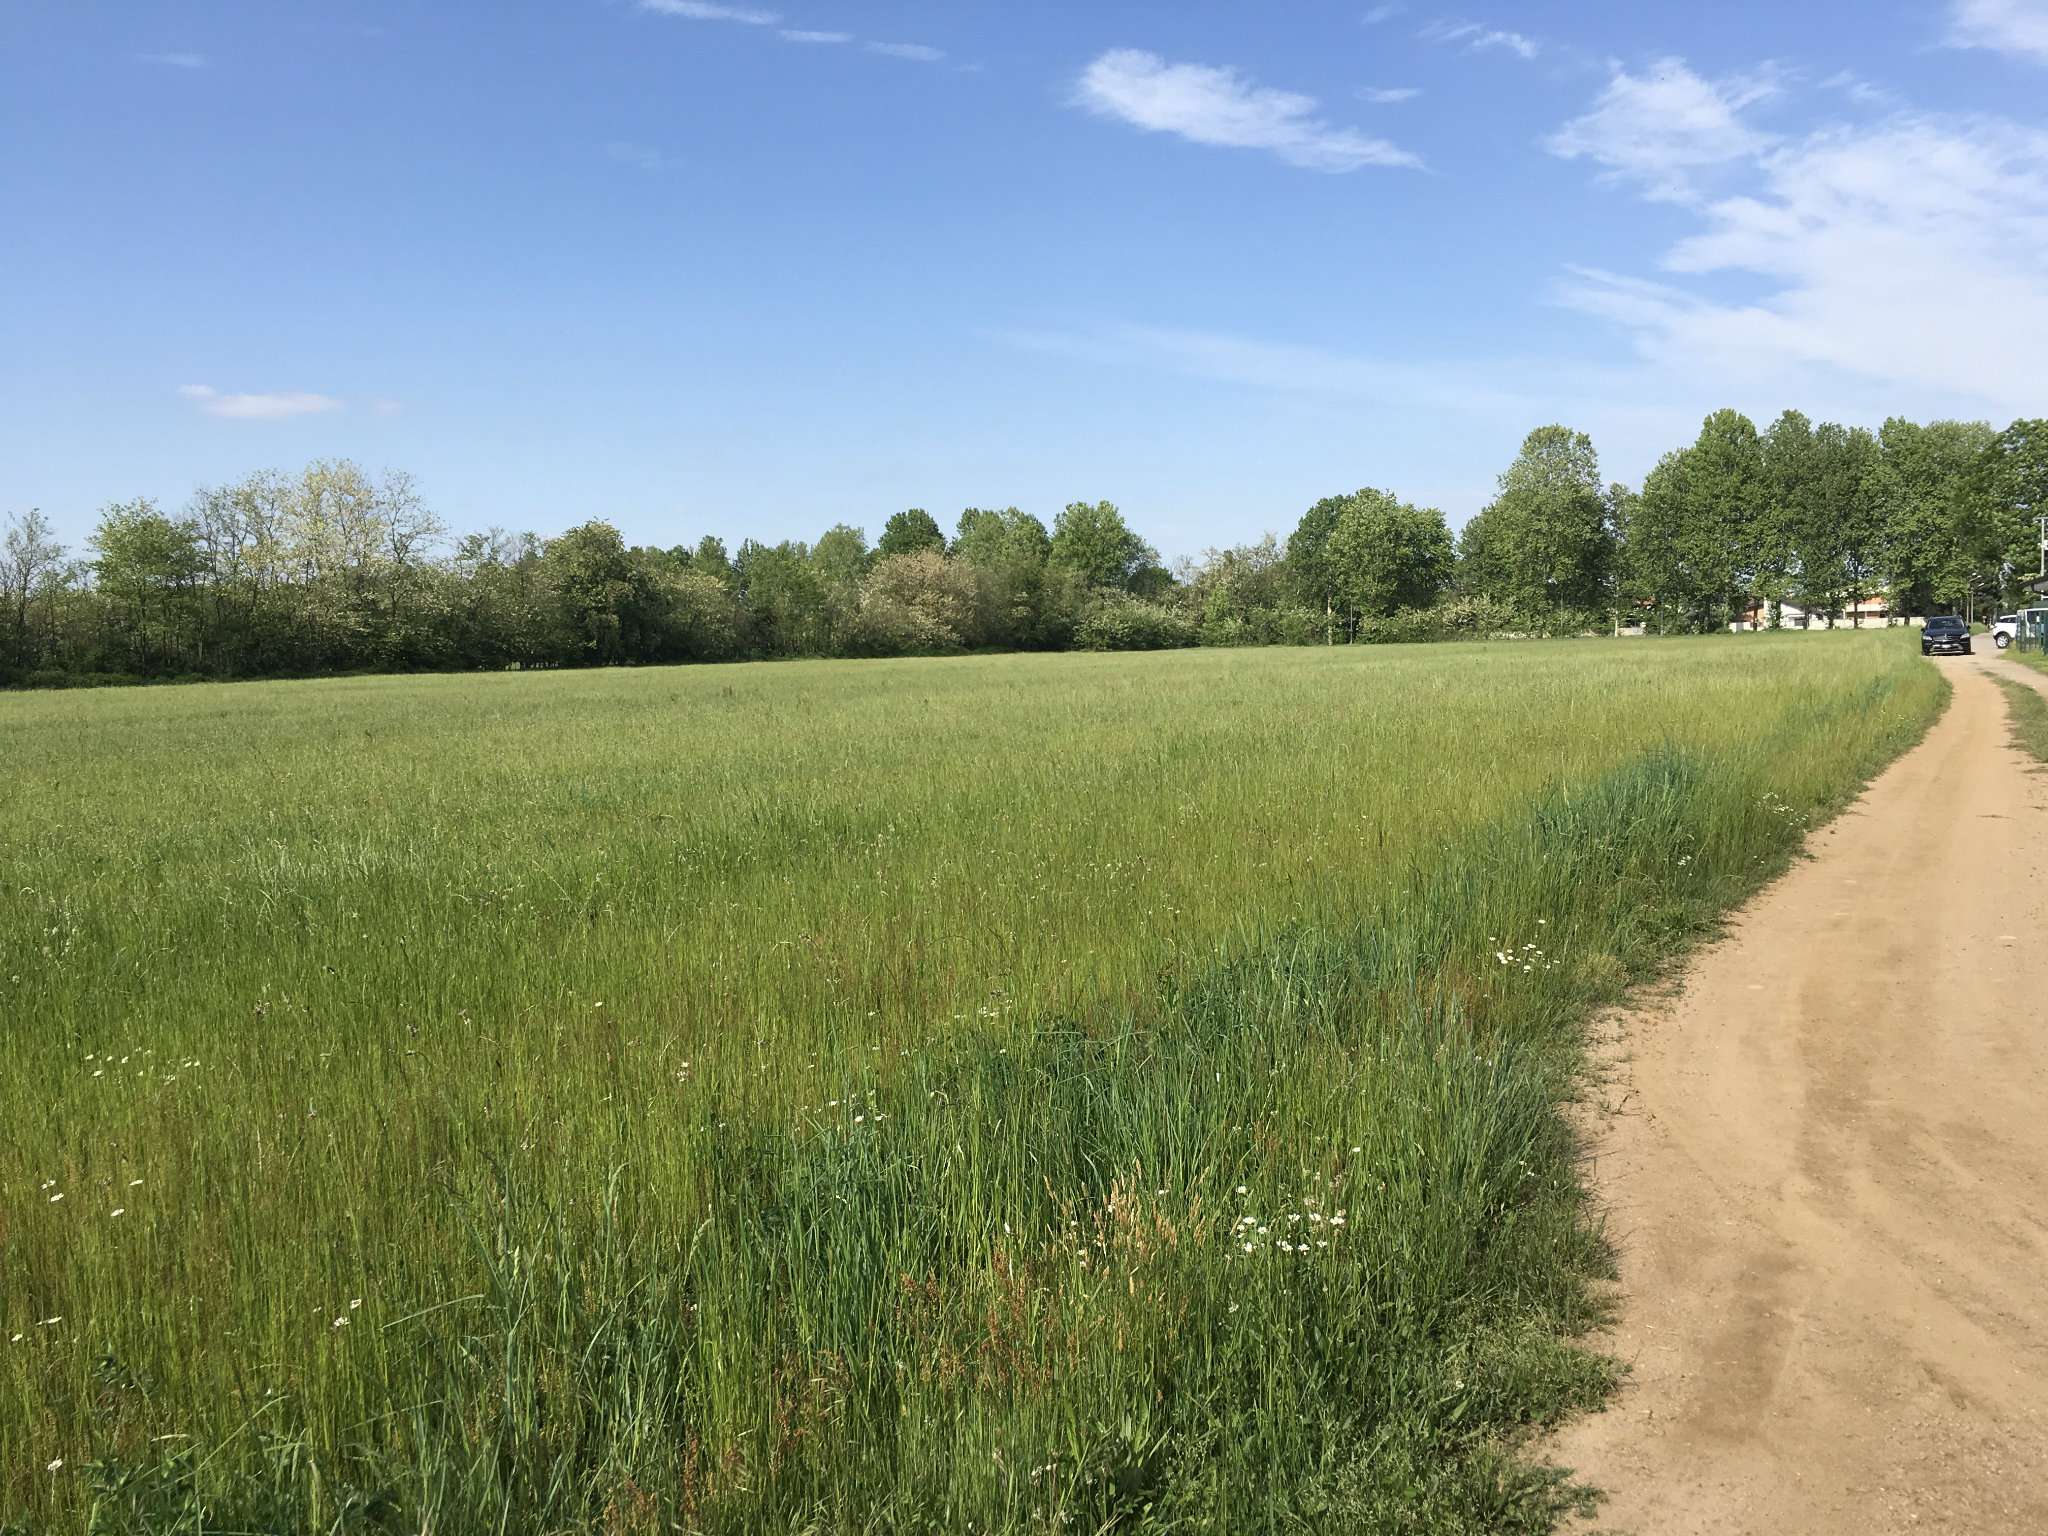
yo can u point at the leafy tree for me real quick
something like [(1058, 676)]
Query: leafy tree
[(1545, 544), (1931, 499), (784, 598), (920, 603), (146, 566), (1820, 536), (1384, 555), (1091, 540), (1007, 553), (711, 560), (596, 590), (906, 533), (1308, 561), (2014, 488), (1695, 545), (31, 562)]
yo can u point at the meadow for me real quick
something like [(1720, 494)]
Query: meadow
[(1059, 1093)]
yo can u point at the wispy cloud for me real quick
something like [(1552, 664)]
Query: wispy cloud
[(1380, 13), (2006, 26), (1208, 105), (175, 60), (1385, 96), (1859, 90), (1907, 255), (1659, 128), (272, 407), (800, 35), (704, 10), (1477, 38), (918, 53), (642, 157)]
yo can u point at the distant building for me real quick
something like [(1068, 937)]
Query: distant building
[(1874, 611)]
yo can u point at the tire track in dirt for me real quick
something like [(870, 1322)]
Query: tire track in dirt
[(1825, 1162)]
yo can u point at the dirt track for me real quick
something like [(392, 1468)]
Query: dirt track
[(1828, 1177)]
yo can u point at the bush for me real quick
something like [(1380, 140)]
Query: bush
[(1114, 621)]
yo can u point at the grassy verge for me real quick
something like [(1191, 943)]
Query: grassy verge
[(1012, 1096), (2028, 712)]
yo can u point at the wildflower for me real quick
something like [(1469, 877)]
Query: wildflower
[(1501, 955), (56, 1197), (342, 1321), (1248, 1247), (16, 1339), (1242, 1190), (135, 1183), (117, 1210), (354, 1303), (55, 1466)]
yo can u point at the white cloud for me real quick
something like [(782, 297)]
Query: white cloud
[(1478, 38), (704, 10), (1909, 255), (916, 52), (799, 35), (642, 157), (1221, 107), (1380, 13), (1859, 90), (275, 407), (1659, 128), (175, 60), (1385, 96), (2007, 26)]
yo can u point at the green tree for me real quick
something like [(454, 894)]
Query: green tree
[(1545, 544), (147, 567), (1007, 553), (1931, 498), (1384, 555), (1827, 520), (917, 604), (1091, 540), (31, 564), (597, 594), (2014, 490), (1696, 534), (908, 532)]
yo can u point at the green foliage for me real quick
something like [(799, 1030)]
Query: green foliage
[(827, 1098), (1383, 555), (1091, 541), (919, 604), (1929, 496), (1007, 552), (1546, 544), (1696, 536), (1116, 621), (910, 533)]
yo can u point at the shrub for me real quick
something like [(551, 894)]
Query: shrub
[(1113, 621)]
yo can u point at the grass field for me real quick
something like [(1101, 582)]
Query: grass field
[(1008, 1094)]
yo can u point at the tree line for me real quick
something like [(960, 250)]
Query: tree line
[(334, 569)]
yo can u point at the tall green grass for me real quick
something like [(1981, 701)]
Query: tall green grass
[(1002, 1095)]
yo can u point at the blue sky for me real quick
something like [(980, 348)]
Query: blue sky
[(755, 268)]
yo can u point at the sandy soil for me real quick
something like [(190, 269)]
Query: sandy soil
[(1826, 1165)]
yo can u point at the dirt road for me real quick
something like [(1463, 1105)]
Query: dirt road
[(1828, 1177)]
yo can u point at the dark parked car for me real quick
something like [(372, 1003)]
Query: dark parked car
[(1949, 637)]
